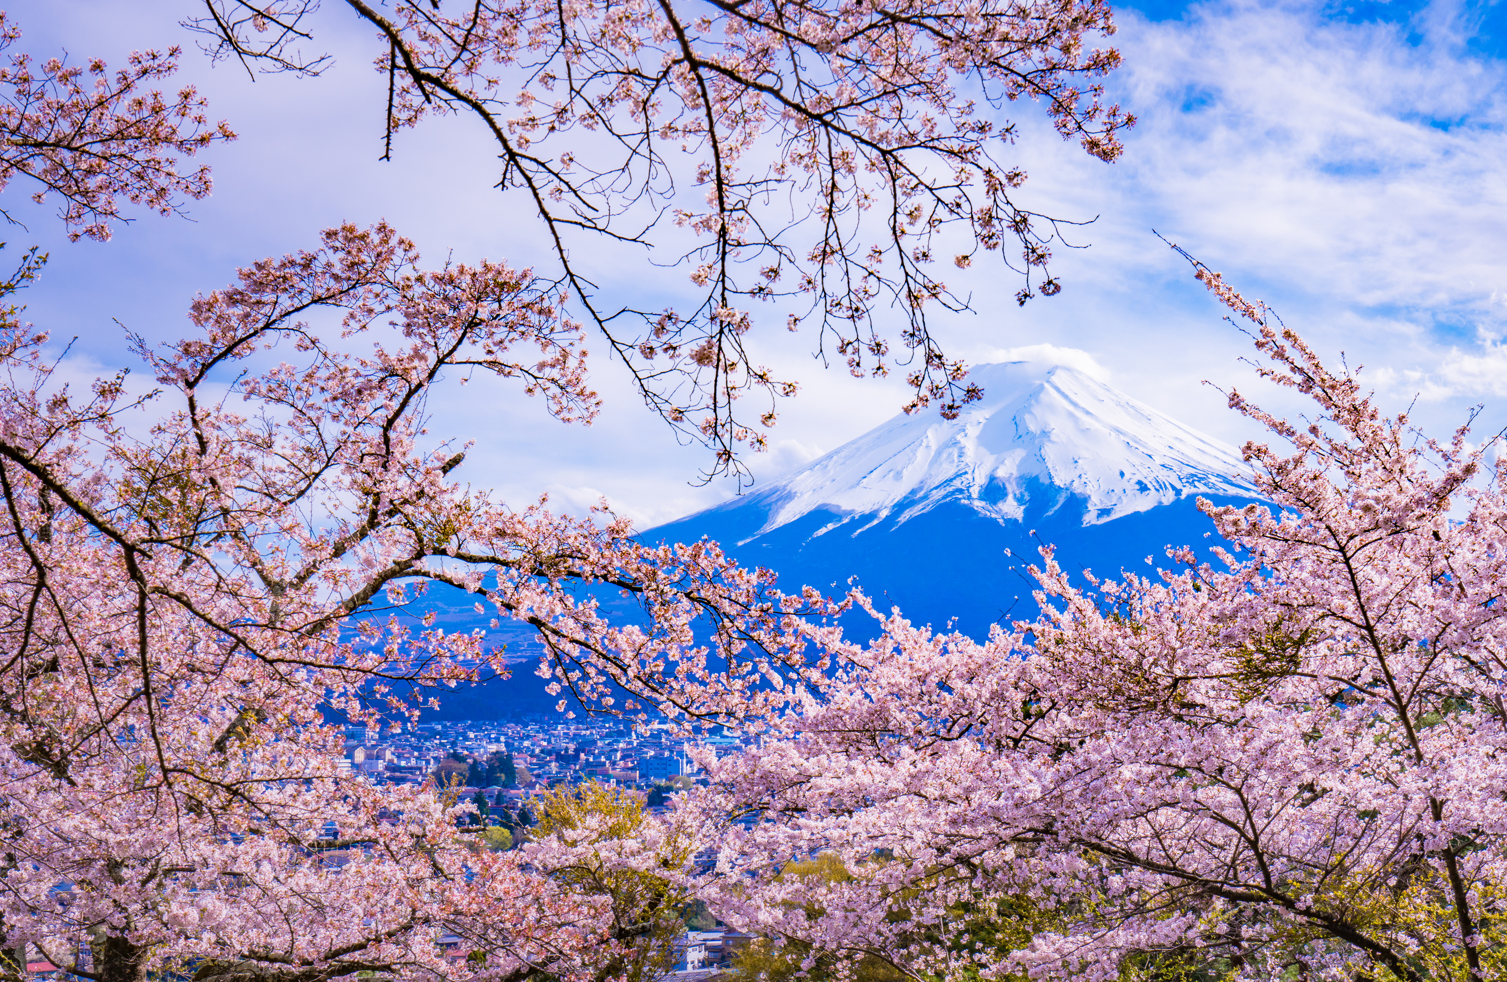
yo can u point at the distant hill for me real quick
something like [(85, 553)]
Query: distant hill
[(941, 517)]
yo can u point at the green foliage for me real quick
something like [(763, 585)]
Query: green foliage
[(497, 838), (765, 960), (1268, 658), (994, 927), (1182, 964), (698, 917), (646, 909), (985, 930)]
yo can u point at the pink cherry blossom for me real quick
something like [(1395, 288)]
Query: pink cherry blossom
[(807, 162), (177, 616)]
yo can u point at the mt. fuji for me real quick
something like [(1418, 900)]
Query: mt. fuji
[(941, 516)]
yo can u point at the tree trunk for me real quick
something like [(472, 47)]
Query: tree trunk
[(118, 960), (12, 961)]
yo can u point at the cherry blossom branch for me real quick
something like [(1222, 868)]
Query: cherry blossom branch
[(95, 139), (839, 106)]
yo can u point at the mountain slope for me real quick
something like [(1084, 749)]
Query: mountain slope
[(941, 516)]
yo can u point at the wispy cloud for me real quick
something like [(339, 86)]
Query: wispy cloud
[(1349, 173), (1290, 144), (1047, 354)]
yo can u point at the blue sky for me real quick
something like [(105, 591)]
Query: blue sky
[(1344, 161)]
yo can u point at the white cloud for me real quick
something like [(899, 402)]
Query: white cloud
[(1483, 371), (1347, 173), (1047, 354), (784, 456), (1338, 157)]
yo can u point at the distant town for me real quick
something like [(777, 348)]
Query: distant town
[(509, 760), (500, 764)]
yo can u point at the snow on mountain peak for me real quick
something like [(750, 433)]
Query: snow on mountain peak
[(1042, 437)]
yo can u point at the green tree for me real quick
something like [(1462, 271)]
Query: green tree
[(646, 909), (698, 917), (984, 931)]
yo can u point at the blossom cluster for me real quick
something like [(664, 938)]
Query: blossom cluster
[(177, 628), (94, 138), (1286, 763)]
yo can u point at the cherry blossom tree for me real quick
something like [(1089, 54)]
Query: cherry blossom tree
[(820, 155), (1288, 765), (180, 603), (1284, 767), (178, 622)]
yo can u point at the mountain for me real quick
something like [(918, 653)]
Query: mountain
[(940, 517)]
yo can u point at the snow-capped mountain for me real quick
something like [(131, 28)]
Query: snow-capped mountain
[(1050, 431), (941, 516)]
